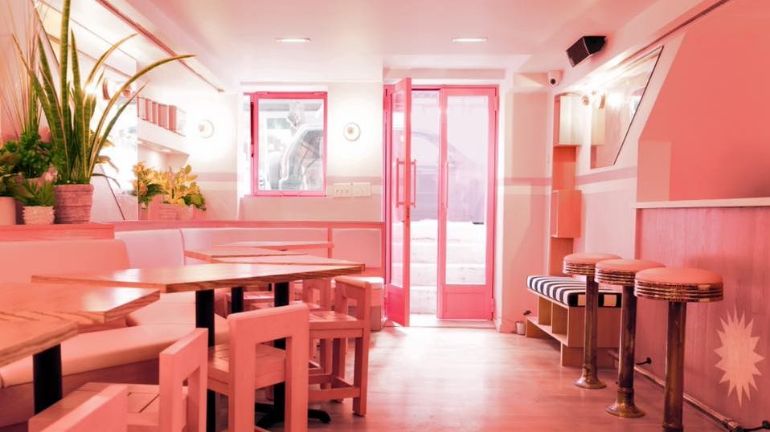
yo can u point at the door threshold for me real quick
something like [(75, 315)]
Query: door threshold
[(426, 320)]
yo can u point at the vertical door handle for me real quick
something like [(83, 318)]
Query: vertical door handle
[(397, 181), (446, 185), (414, 183)]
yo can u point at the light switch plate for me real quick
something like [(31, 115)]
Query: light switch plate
[(362, 189), (342, 190)]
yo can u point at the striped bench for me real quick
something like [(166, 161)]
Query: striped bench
[(561, 316), (570, 291)]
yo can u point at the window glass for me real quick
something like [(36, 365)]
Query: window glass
[(290, 144)]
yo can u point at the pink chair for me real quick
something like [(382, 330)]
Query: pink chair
[(246, 364), (337, 326), (104, 411), (168, 407)]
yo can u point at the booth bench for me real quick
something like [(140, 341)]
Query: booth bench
[(560, 315)]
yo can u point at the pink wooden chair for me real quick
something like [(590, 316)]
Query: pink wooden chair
[(104, 411), (246, 364), (168, 407), (338, 327)]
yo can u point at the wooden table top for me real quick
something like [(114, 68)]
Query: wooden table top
[(291, 260), (20, 339), (235, 252), (202, 276), (284, 245), (83, 304)]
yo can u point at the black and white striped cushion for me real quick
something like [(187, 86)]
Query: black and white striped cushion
[(570, 291)]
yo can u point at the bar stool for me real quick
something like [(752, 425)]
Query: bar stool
[(622, 272), (584, 264), (677, 286)]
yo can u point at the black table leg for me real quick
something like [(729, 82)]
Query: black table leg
[(47, 378), (204, 318), (236, 299), (275, 414)]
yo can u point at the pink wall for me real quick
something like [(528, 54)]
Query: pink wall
[(734, 243), (714, 106), (521, 204)]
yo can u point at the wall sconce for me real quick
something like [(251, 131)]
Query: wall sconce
[(205, 129), (352, 131)]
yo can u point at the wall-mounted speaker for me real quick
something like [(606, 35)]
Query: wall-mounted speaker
[(584, 47)]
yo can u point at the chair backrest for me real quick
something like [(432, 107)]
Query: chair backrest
[(184, 361), (106, 411), (358, 289), (153, 248), (23, 259), (249, 329)]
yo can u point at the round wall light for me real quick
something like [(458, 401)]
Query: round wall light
[(352, 131), (205, 129)]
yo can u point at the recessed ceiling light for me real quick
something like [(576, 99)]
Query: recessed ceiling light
[(294, 40), (475, 39)]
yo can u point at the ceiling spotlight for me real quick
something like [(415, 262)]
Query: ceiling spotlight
[(476, 39), (293, 40)]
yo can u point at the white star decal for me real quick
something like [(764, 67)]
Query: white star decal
[(738, 356)]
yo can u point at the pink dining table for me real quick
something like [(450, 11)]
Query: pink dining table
[(203, 279), (77, 306), (212, 254), (283, 245)]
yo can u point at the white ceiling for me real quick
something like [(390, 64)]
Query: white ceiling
[(356, 39)]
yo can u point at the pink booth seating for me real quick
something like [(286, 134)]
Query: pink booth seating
[(165, 248), (119, 354)]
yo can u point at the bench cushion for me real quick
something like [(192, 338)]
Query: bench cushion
[(153, 248), (103, 349), (23, 259), (169, 312), (569, 291)]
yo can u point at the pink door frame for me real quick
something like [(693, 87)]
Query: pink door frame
[(492, 91), (397, 298), (468, 301)]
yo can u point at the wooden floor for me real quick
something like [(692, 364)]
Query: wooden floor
[(450, 379)]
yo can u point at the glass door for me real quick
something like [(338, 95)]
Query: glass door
[(400, 166), (466, 209)]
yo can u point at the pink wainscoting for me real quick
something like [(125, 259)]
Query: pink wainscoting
[(355, 240), (735, 243), (92, 231)]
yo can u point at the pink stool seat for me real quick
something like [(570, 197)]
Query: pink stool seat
[(622, 271), (679, 285), (584, 263)]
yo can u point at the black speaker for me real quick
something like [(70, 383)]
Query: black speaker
[(584, 47)]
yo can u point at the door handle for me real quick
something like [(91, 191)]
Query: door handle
[(397, 180), (414, 183), (446, 185)]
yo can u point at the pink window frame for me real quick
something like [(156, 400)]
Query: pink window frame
[(254, 98)]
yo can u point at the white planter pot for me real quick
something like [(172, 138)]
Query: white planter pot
[(7, 211), (38, 215), (520, 327)]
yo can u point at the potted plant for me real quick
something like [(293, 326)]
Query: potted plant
[(37, 196), (78, 132), (147, 186), (182, 192), (7, 202)]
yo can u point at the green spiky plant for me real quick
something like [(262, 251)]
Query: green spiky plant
[(78, 135), (34, 193)]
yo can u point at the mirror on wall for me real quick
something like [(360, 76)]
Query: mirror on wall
[(613, 102)]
